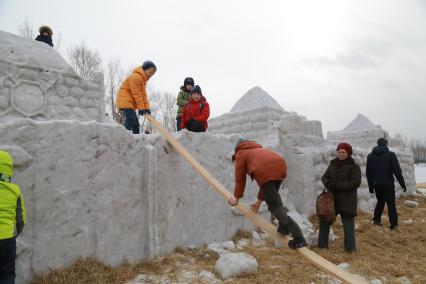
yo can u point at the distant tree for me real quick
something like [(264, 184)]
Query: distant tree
[(419, 150), (163, 108), (85, 61), (114, 76), (26, 30)]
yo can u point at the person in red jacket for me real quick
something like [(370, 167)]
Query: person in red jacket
[(196, 112), (269, 169)]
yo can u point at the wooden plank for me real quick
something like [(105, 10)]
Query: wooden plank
[(316, 259)]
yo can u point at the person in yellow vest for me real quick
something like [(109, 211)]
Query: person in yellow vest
[(12, 218), (132, 95)]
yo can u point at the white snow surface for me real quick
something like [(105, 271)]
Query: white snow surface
[(234, 264), (255, 98), (23, 50)]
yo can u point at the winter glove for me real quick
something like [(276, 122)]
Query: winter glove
[(371, 189), (404, 189), (144, 111)]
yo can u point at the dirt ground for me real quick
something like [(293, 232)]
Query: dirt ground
[(381, 253)]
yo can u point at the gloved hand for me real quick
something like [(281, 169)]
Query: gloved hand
[(404, 189), (371, 189), (144, 111)]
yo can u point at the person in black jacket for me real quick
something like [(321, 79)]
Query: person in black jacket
[(45, 35), (382, 165)]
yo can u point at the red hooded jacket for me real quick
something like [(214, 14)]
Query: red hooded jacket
[(199, 111), (260, 164)]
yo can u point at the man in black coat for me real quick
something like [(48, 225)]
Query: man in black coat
[(382, 165), (45, 35)]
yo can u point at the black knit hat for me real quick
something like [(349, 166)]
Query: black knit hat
[(188, 81), (148, 65), (197, 90)]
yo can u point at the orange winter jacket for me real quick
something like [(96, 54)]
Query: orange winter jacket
[(132, 92), (260, 164)]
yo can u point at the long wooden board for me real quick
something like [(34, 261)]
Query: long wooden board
[(319, 261)]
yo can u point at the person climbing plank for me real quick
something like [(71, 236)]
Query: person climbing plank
[(269, 170)]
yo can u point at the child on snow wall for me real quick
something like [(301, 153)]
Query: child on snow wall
[(12, 218), (183, 98), (342, 178), (269, 170), (196, 112), (132, 95), (45, 35)]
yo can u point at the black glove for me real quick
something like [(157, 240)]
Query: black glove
[(404, 189), (371, 189), (144, 111)]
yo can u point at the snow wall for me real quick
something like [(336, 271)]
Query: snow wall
[(94, 189)]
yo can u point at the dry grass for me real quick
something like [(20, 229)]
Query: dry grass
[(381, 252)]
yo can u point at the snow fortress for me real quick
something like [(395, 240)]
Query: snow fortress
[(93, 189)]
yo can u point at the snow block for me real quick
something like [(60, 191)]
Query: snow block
[(234, 264)]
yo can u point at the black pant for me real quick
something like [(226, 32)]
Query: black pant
[(275, 206), (348, 231), (178, 122), (7, 261), (195, 126), (132, 122), (385, 194)]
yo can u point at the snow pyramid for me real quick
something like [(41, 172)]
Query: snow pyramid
[(255, 98), (360, 132)]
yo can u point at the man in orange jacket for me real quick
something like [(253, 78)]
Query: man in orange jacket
[(132, 95), (268, 169)]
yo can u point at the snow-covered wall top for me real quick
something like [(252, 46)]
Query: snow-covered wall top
[(37, 83), (255, 98)]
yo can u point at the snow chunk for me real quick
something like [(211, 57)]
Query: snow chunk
[(255, 98), (345, 266), (208, 277), (221, 248), (411, 204), (234, 264), (404, 280)]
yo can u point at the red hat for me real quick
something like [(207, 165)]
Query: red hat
[(345, 146)]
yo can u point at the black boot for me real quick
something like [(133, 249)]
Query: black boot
[(297, 243)]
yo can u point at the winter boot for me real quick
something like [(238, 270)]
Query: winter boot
[(297, 243), (282, 230)]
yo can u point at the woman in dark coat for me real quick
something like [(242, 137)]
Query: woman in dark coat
[(45, 35), (342, 178)]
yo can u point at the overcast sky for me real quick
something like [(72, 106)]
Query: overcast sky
[(327, 60)]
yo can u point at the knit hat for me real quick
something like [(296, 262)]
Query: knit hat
[(345, 146), (148, 65), (382, 142), (47, 29), (196, 89), (188, 81)]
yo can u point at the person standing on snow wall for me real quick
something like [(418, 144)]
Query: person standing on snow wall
[(12, 218), (196, 112), (45, 35), (382, 165), (183, 98), (132, 95), (269, 170)]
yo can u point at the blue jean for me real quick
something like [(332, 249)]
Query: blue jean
[(7, 261), (348, 231), (132, 122)]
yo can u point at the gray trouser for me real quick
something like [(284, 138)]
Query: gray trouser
[(348, 230), (275, 206)]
